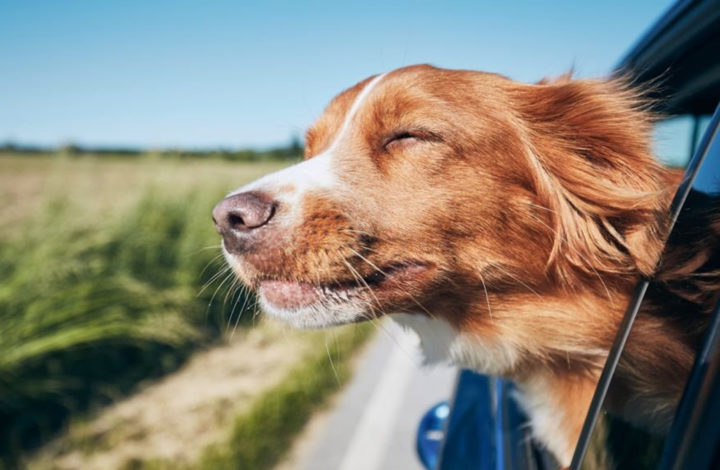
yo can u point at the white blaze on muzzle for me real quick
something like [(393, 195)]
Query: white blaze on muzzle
[(288, 186)]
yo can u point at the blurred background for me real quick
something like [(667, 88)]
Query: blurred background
[(124, 343)]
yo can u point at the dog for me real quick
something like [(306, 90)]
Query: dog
[(506, 223)]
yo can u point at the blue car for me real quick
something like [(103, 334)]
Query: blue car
[(483, 428)]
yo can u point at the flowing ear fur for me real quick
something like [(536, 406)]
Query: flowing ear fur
[(589, 149)]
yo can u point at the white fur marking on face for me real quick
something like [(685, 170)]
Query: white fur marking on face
[(295, 180), (353, 110), (290, 184)]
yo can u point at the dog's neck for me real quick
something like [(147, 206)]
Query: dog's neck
[(555, 380), (556, 367)]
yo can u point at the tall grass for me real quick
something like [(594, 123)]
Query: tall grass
[(87, 310)]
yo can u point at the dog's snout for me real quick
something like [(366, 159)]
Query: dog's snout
[(241, 213)]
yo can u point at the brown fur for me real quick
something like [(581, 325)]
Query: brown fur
[(534, 210)]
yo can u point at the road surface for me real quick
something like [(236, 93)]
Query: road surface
[(374, 422)]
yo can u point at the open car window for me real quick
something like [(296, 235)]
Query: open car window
[(676, 138), (612, 437)]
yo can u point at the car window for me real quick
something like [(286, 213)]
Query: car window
[(621, 438), (675, 138)]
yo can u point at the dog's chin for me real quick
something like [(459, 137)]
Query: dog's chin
[(304, 304), (320, 314)]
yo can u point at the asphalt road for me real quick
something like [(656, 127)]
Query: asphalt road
[(374, 423)]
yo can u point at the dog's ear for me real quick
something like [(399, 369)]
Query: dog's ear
[(589, 150)]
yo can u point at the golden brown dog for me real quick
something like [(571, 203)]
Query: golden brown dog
[(507, 223)]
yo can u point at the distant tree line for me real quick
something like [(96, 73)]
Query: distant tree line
[(292, 151)]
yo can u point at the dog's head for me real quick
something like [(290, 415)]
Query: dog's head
[(426, 190)]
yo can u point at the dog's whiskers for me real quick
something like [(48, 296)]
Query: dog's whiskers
[(362, 284), (209, 263), (215, 277), (515, 278), (231, 290), (332, 366), (209, 247), (227, 277), (244, 293), (372, 265), (487, 296)]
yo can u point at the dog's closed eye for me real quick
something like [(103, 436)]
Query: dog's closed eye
[(400, 139), (405, 138)]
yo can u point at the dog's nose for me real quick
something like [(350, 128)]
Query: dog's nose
[(239, 214)]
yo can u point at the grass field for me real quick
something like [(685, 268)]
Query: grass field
[(102, 268)]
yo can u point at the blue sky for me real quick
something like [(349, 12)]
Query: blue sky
[(218, 73)]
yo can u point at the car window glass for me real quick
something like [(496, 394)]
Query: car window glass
[(702, 125), (675, 138), (635, 418), (672, 140)]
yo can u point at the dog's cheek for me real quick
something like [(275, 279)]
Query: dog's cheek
[(323, 239), (272, 257)]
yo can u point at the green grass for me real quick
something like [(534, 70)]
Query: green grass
[(86, 312), (92, 305)]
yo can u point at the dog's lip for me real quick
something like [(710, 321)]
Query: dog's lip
[(287, 294)]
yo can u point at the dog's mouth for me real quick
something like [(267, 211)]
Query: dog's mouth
[(383, 284)]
